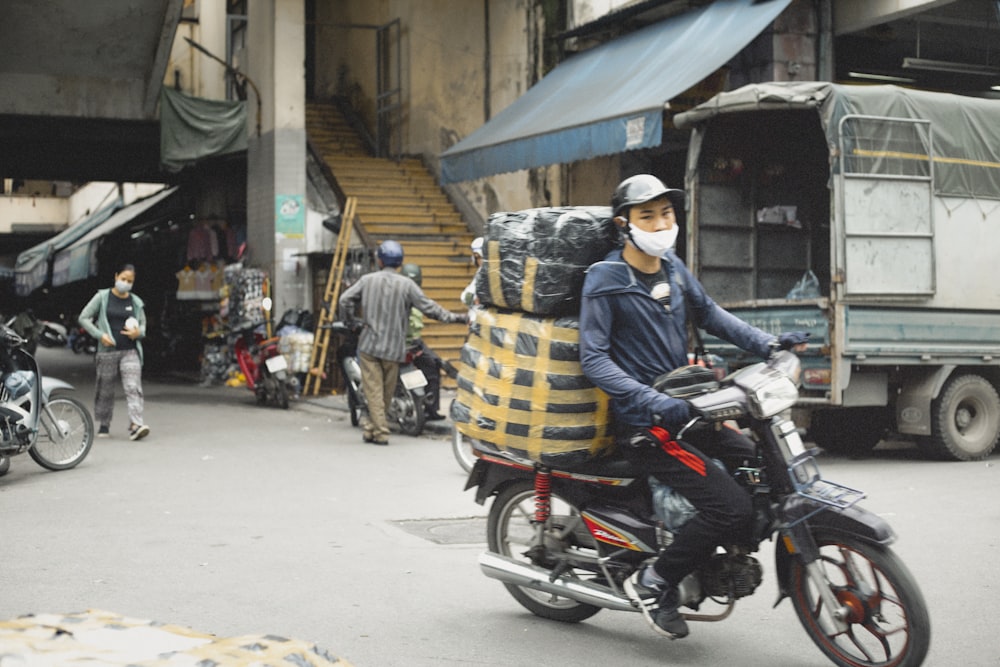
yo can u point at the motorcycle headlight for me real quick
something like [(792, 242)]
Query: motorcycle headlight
[(771, 397)]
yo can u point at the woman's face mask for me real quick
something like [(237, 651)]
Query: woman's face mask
[(123, 286), (653, 243)]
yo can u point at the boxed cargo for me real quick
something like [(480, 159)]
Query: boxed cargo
[(535, 260), (521, 389)]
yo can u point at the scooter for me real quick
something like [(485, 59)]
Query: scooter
[(57, 431), (407, 406)]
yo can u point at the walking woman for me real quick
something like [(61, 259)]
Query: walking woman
[(116, 318)]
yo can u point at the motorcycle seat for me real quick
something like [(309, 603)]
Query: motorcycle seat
[(606, 466)]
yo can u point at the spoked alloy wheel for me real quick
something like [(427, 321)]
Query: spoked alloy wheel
[(887, 619), (63, 443), (408, 413), (511, 533)]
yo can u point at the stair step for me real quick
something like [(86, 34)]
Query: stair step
[(402, 200)]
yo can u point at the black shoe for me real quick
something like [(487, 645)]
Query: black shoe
[(104, 431), (659, 606), (434, 417)]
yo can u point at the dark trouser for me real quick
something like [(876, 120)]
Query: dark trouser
[(724, 508), (430, 365)]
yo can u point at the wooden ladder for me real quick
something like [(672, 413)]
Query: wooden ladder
[(321, 341)]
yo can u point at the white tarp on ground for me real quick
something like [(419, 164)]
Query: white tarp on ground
[(104, 638)]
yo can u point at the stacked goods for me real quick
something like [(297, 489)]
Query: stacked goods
[(520, 384), (520, 388), (535, 260), (296, 346)]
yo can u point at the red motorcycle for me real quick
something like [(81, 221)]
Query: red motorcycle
[(264, 368)]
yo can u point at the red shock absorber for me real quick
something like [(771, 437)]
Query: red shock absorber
[(543, 495)]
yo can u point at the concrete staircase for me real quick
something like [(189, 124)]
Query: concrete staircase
[(402, 201)]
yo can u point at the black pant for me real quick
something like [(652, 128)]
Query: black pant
[(430, 365), (724, 508)]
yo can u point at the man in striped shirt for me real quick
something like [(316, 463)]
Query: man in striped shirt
[(386, 297)]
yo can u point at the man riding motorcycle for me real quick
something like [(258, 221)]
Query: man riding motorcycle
[(633, 328)]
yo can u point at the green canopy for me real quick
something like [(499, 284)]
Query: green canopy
[(192, 128)]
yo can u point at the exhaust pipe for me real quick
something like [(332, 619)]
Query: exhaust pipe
[(510, 571)]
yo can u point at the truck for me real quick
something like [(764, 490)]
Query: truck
[(868, 216)]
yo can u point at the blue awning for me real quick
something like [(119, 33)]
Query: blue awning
[(78, 260), (610, 99), (31, 270)]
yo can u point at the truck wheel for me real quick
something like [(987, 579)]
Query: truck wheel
[(965, 420), (849, 431)]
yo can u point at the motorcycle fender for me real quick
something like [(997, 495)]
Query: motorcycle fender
[(854, 521), (489, 478), (51, 385)]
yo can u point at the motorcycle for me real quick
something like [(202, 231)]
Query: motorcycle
[(407, 407), (52, 334), (81, 341), (262, 364), (564, 540), (57, 431)]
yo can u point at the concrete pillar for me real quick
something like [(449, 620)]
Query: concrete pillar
[(276, 159)]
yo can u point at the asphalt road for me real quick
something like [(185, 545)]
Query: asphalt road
[(234, 519)]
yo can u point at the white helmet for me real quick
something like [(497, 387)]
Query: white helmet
[(477, 246)]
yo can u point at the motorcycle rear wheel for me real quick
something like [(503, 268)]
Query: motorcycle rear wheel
[(4, 465), (510, 532), (406, 412), (63, 444), (282, 397), (888, 624)]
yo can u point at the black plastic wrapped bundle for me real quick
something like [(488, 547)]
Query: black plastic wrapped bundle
[(535, 260), (521, 388)]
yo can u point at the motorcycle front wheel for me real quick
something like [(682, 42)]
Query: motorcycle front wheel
[(510, 532), (887, 620), (65, 434), (406, 412)]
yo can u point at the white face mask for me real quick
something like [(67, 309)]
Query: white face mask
[(653, 243), (123, 287)]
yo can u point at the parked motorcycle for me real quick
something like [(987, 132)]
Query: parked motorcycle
[(27, 326), (407, 408), (564, 540), (52, 334), (262, 364), (81, 341), (56, 430)]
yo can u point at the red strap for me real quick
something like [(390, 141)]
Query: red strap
[(671, 447)]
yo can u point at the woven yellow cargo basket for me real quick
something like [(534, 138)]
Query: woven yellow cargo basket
[(521, 388)]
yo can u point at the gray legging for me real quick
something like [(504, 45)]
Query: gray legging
[(109, 366)]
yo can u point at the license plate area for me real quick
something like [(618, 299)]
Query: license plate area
[(413, 379), (276, 363)]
